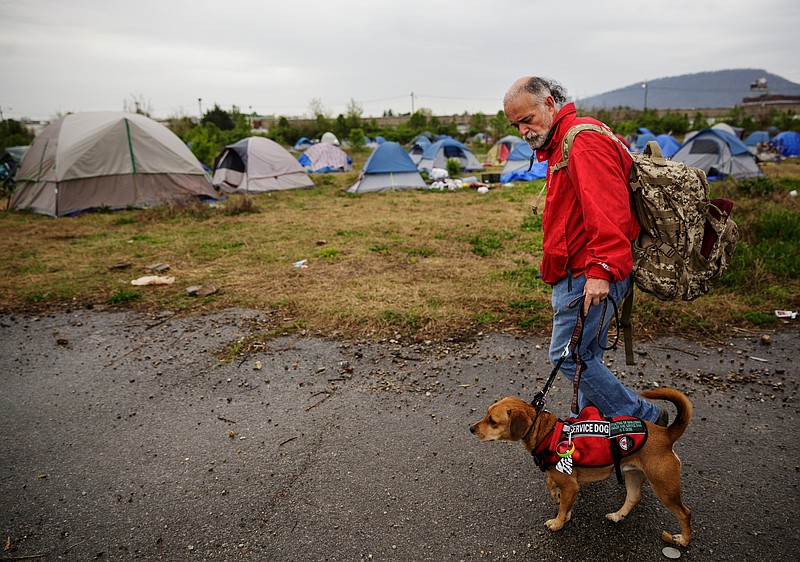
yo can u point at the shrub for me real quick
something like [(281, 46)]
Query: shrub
[(453, 167)]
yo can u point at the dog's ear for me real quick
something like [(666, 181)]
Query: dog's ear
[(519, 423)]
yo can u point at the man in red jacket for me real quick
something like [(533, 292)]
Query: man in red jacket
[(589, 225)]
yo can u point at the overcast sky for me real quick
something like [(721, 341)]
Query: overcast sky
[(276, 56)]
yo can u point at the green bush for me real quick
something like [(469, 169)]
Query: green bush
[(357, 140), (453, 167)]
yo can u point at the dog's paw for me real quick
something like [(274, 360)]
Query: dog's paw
[(675, 539), (554, 524), (616, 517)]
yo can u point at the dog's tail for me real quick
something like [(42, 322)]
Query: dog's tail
[(682, 403)]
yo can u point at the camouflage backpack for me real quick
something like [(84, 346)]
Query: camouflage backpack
[(686, 240)]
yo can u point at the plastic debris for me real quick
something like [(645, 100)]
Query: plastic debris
[(153, 280), (483, 189), (302, 264), (447, 184), (786, 314), (438, 174)]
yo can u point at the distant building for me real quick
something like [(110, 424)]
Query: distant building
[(765, 103)]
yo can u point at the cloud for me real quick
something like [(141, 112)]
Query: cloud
[(456, 56)]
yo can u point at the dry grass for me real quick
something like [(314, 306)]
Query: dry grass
[(428, 264), (377, 263)]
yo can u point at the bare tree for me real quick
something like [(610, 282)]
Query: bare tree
[(317, 109), (137, 103)]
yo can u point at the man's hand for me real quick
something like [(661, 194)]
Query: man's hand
[(595, 291)]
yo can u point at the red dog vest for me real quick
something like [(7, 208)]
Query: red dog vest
[(598, 441)]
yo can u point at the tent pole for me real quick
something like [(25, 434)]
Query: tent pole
[(138, 195)]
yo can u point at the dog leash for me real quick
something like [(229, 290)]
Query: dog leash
[(571, 349)]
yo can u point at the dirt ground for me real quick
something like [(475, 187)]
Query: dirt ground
[(125, 437)]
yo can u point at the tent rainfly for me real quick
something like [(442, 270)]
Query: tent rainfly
[(258, 164), (110, 160), (388, 168)]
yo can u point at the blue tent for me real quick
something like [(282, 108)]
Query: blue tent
[(757, 137), (718, 154), (302, 144), (388, 168), (438, 153), (641, 141), (787, 144), (519, 160), (418, 149), (669, 145)]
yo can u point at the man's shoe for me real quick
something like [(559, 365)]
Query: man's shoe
[(663, 418)]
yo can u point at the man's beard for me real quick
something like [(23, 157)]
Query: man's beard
[(535, 140)]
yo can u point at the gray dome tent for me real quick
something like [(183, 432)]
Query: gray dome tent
[(106, 159), (258, 164)]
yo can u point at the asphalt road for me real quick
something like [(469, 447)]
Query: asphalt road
[(123, 436)]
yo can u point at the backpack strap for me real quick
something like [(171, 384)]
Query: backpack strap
[(625, 322), (653, 150), (569, 138)]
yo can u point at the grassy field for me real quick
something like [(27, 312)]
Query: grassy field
[(424, 264)]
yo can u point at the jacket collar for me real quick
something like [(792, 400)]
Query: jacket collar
[(566, 113)]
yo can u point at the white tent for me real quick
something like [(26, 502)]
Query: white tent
[(330, 138), (109, 160), (258, 164)]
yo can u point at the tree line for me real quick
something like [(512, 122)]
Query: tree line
[(219, 127)]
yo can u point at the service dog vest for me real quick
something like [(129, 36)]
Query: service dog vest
[(598, 441)]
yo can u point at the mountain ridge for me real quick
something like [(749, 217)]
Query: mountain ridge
[(713, 89)]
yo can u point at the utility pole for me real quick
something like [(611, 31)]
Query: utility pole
[(412, 103), (645, 95), (200, 105)]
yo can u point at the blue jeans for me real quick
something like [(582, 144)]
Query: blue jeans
[(598, 385)]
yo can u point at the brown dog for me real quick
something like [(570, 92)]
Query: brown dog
[(513, 419)]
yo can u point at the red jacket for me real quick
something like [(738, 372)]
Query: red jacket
[(588, 218)]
